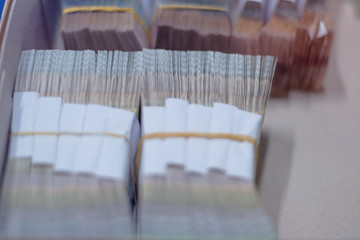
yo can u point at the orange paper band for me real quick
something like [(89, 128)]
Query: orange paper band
[(109, 134), (234, 137)]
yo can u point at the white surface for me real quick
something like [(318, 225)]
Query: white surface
[(310, 181), (153, 148), (115, 155), (322, 30), (199, 119), (23, 120), (175, 121), (240, 162), (90, 146), (221, 122), (72, 120), (47, 119)]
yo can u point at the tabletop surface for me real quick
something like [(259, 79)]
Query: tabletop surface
[(310, 179)]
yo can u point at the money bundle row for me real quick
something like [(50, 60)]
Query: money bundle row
[(153, 144), (298, 32)]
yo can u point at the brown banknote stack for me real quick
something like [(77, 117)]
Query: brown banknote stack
[(278, 39), (314, 38), (192, 26), (249, 20), (104, 25)]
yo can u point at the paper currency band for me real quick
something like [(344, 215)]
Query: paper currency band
[(135, 110), (108, 9), (192, 7), (109, 134), (233, 137), (188, 7)]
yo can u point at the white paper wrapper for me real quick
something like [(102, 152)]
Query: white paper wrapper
[(47, 120), (153, 159), (175, 121), (90, 146), (198, 120), (241, 158), (115, 152), (23, 120), (72, 120), (221, 122)]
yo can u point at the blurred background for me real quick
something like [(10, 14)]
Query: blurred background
[(309, 184)]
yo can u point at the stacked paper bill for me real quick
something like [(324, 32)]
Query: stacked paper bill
[(198, 157), (73, 171), (73, 141)]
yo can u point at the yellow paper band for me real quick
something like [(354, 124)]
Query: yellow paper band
[(107, 9), (192, 7), (135, 110), (18, 134), (234, 137)]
